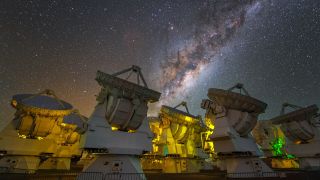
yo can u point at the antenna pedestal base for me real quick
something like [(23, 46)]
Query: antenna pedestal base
[(115, 167), (246, 167)]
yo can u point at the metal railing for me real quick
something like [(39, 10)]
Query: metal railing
[(127, 176), (72, 176), (135, 176), (255, 174), (51, 176)]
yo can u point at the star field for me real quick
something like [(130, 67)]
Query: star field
[(273, 48)]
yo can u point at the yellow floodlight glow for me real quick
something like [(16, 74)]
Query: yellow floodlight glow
[(63, 124), (39, 138), (113, 128), (188, 119), (22, 136), (297, 142), (209, 124)]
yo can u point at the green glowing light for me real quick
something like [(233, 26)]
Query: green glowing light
[(277, 145), (278, 148), (290, 156)]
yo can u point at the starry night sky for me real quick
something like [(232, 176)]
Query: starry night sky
[(272, 47)]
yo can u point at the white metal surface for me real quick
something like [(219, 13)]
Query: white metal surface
[(234, 116), (118, 128)]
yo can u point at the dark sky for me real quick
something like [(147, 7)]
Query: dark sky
[(272, 47)]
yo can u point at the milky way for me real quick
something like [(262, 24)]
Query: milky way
[(216, 24)]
